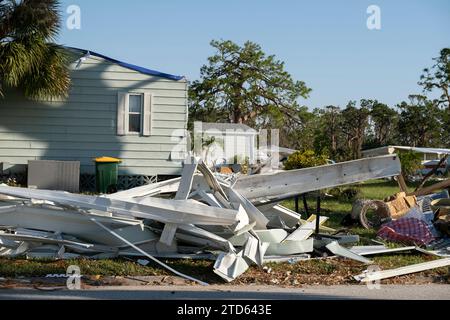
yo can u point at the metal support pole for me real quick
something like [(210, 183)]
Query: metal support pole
[(305, 205), (296, 203), (318, 213)]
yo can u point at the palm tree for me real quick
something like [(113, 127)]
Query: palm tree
[(29, 60)]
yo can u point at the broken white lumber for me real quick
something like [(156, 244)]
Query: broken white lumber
[(344, 238), (360, 249), (253, 213), (306, 230), (138, 234), (199, 183), (10, 244), (18, 237), (289, 217), (151, 247), (187, 176), (59, 220), (224, 203), (287, 184), (168, 233), (247, 228), (96, 248), (211, 179), (184, 212), (183, 192), (163, 210), (198, 241), (272, 235), (204, 237), (209, 198), (49, 251), (290, 259), (13, 252), (290, 247), (166, 186), (145, 253), (338, 250), (239, 240), (278, 222), (372, 250), (254, 250), (195, 256), (322, 228), (438, 253), (384, 274), (341, 239), (229, 266)]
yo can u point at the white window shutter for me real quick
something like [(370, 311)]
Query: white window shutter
[(147, 114), (121, 113)]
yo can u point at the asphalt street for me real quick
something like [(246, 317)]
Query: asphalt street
[(403, 292)]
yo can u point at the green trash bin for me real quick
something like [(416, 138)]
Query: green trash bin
[(106, 174)]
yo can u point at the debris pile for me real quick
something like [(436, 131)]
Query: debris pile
[(200, 215), (420, 219)]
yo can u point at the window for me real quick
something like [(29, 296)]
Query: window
[(134, 113)]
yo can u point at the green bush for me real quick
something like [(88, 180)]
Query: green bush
[(410, 161), (304, 159)]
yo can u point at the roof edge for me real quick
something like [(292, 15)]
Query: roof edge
[(129, 65)]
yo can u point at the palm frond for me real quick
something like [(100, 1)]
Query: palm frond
[(29, 18), (28, 59), (51, 78)]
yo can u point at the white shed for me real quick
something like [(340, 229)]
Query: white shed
[(223, 142)]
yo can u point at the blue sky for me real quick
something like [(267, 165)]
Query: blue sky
[(324, 43)]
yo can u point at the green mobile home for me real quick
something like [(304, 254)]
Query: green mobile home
[(113, 109)]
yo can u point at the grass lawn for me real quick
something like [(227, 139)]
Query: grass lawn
[(329, 271)]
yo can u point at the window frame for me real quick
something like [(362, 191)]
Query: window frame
[(141, 114)]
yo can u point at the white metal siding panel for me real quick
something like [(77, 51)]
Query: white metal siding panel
[(130, 84), (83, 137)]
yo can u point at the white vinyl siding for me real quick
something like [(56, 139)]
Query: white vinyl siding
[(86, 124)]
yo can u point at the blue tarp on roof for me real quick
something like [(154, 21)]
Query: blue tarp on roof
[(131, 66)]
